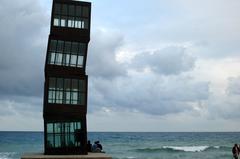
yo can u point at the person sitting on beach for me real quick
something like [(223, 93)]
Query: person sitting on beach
[(97, 147), (235, 151), (89, 146)]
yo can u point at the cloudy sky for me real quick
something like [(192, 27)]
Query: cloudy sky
[(153, 65)]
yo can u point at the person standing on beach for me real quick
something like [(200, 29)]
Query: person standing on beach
[(235, 151)]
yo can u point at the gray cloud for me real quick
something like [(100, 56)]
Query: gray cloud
[(233, 86), (170, 60), (149, 93), (102, 55), (23, 47)]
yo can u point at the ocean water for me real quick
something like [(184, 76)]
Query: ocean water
[(133, 145)]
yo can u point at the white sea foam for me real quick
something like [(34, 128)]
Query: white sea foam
[(6, 155), (187, 148)]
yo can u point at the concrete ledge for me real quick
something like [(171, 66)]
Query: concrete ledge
[(89, 156)]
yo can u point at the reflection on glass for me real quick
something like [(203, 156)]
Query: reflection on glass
[(62, 134)]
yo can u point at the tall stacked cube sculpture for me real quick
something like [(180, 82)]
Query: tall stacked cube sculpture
[(65, 87)]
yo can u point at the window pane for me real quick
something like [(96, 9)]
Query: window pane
[(78, 125), (80, 61), (64, 22), (71, 140), (52, 83), (67, 127), (82, 49), (58, 59), (67, 84), (57, 128), (78, 23), (52, 58), (75, 85), (64, 9), (50, 140), (71, 22), (65, 60), (71, 10), (67, 48), (60, 46), (81, 85), (53, 45), (59, 83), (49, 127), (85, 24), (68, 97), (56, 21), (74, 48), (81, 100), (73, 60), (78, 11), (71, 127), (85, 12), (57, 8), (74, 96), (51, 96), (57, 140), (59, 97)]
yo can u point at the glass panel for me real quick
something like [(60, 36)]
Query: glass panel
[(82, 49), (68, 97), (52, 58), (71, 10), (74, 96), (72, 127), (51, 96), (57, 140), (64, 9), (74, 48), (73, 60), (67, 84), (80, 61), (60, 83), (58, 59), (81, 85), (78, 23), (52, 83), (74, 99), (57, 8), (85, 12), (74, 85), (64, 22), (59, 97), (50, 140), (57, 128), (53, 45), (85, 24), (71, 22), (81, 99), (67, 48), (78, 11), (49, 127), (71, 140), (60, 45), (78, 125), (56, 21)]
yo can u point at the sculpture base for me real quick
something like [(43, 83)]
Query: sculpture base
[(89, 156)]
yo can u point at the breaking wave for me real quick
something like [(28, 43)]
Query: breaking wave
[(179, 149)]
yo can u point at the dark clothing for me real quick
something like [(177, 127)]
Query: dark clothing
[(89, 147), (99, 146), (235, 152)]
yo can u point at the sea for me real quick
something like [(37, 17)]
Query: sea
[(135, 145)]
